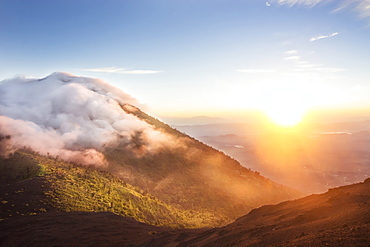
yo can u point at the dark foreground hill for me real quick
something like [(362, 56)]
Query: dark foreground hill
[(340, 217)]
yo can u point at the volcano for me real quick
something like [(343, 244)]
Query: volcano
[(60, 131)]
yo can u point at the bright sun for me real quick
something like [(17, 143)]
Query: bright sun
[(285, 108), (285, 116)]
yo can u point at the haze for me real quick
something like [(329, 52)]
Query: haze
[(280, 65), (190, 58)]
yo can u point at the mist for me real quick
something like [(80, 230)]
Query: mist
[(76, 118)]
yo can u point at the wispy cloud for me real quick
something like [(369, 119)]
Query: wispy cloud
[(323, 37), (292, 58), (363, 8), (105, 70), (122, 71), (291, 52), (299, 2), (301, 65), (140, 72), (268, 4), (360, 7), (256, 70), (307, 65), (328, 69), (318, 68)]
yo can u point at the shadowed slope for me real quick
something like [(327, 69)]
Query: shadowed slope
[(75, 229), (340, 217)]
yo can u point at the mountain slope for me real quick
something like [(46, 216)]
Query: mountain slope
[(37, 184), (75, 229), (194, 175), (340, 217), (89, 122)]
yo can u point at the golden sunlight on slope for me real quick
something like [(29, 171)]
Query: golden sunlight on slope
[(283, 153), (307, 161)]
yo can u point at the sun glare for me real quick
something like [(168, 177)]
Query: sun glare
[(285, 109), (286, 117)]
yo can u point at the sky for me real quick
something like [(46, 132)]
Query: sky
[(199, 57)]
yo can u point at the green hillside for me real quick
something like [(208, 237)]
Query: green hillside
[(36, 184)]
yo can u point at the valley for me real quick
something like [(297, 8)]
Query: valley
[(311, 159)]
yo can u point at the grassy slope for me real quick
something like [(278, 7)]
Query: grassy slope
[(340, 217), (60, 186)]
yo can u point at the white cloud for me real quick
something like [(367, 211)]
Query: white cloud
[(256, 70), (268, 4), (122, 71), (323, 37), (307, 65), (140, 72), (292, 58), (74, 117), (291, 52), (106, 70)]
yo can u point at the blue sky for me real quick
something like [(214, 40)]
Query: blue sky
[(198, 57)]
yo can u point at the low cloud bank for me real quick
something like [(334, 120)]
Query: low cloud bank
[(75, 118)]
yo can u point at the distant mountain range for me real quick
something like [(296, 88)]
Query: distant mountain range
[(311, 158), (212, 128)]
